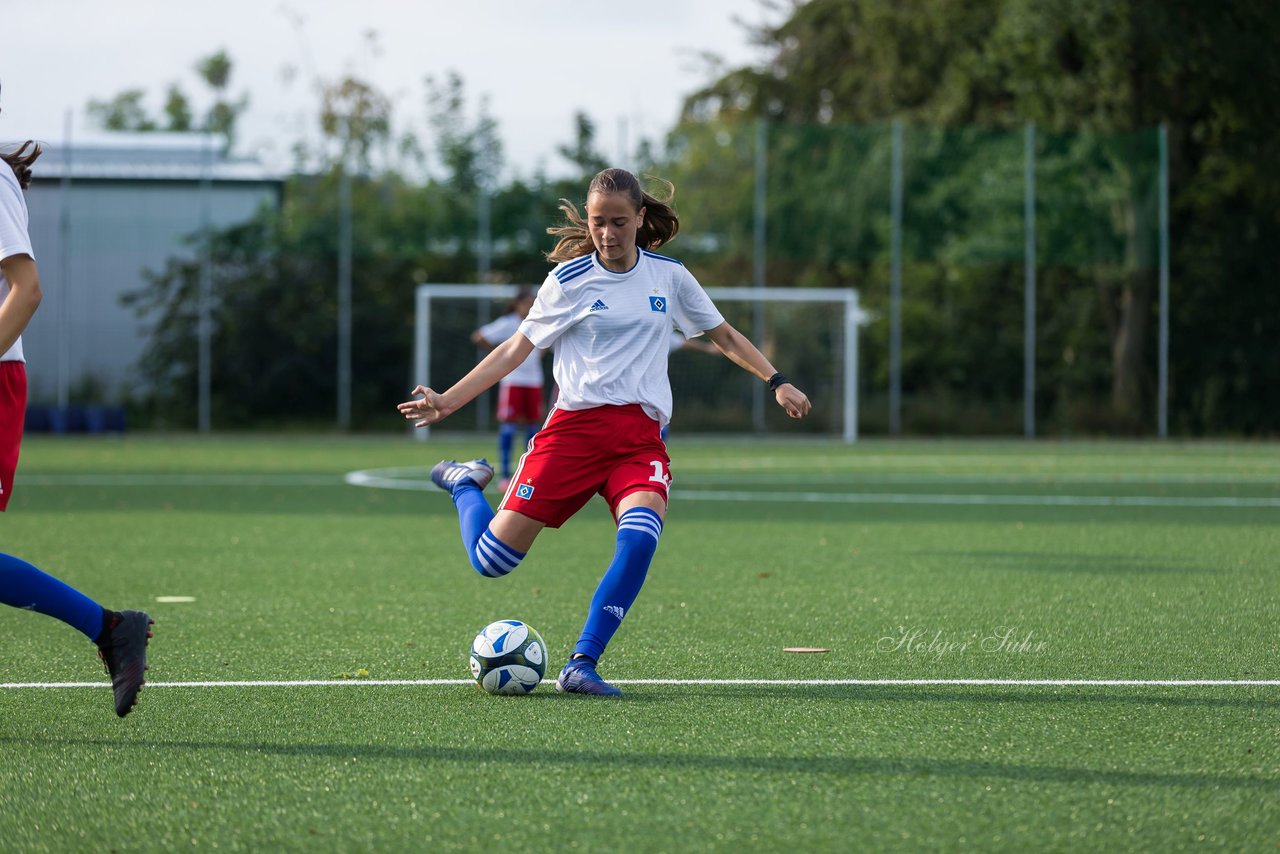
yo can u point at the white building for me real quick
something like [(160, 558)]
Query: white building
[(104, 212)]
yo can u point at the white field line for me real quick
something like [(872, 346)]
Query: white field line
[(1001, 478), (123, 479), (975, 500), (1052, 683), (410, 479), (414, 479)]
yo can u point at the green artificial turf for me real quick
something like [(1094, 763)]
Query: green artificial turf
[(916, 562)]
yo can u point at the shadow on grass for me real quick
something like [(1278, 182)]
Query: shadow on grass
[(837, 766)]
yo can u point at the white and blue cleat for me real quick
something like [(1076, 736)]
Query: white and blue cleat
[(447, 474)]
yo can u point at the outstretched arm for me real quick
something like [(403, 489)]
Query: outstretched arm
[(434, 406), (745, 355), (700, 346), (23, 299)]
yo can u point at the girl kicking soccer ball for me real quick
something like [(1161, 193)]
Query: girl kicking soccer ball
[(607, 308)]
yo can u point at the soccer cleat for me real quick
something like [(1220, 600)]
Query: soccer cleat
[(449, 473), (123, 649), (579, 677)]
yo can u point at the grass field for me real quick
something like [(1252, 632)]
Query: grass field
[(1033, 646)]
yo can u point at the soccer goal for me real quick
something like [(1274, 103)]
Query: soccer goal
[(811, 334)]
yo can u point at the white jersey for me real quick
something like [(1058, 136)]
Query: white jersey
[(527, 373), (611, 332), (14, 239)]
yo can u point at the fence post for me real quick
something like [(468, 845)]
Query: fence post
[(344, 296), (64, 270), (1163, 394), (204, 321), (1029, 299), (895, 284), (758, 237)]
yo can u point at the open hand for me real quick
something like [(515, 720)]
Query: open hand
[(426, 411)]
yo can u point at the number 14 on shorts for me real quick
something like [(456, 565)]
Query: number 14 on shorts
[(660, 476)]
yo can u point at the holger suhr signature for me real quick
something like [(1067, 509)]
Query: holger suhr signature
[(937, 643)]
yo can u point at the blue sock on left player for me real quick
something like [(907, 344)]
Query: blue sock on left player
[(638, 531), (506, 438), (24, 586), (489, 556)]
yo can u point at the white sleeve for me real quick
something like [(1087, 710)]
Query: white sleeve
[(693, 311), (14, 239), (552, 313), (499, 330)]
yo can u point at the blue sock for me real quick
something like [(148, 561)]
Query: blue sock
[(529, 433), (490, 556), (638, 532), (24, 586), (506, 438)]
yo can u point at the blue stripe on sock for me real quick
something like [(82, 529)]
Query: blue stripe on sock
[(641, 519), (494, 558)]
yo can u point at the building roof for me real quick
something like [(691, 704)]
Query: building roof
[(147, 157)]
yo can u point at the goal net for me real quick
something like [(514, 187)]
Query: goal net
[(811, 334)]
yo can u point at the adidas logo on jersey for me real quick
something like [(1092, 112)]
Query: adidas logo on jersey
[(599, 305), (616, 610)]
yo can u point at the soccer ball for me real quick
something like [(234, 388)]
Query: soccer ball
[(508, 657)]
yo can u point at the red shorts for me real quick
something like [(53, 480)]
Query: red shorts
[(13, 414), (611, 451), (520, 403)]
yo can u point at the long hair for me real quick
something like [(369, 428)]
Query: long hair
[(660, 221), (20, 160)]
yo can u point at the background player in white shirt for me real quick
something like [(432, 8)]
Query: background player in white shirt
[(121, 636), (607, 311), (520, 399)]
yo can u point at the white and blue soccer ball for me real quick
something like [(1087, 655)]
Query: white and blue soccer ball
[(508, 657)]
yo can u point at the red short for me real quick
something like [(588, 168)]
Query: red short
[(520, 403), (13, 415), (611, 451)]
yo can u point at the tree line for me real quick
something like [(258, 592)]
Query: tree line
[(1096, 78)]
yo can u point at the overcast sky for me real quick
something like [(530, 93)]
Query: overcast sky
[(628, 66)]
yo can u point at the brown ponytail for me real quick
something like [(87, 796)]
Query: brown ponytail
[(660, 221), (20, 161)]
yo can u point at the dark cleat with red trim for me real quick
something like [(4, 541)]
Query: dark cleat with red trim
[(123, 649)]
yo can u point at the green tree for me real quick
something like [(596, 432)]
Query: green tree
[(222, 116), (1096, 77), (582, 152), (470, 152), (275, 301), (124, 112), (177, 110), (356, 118), (127, 111)]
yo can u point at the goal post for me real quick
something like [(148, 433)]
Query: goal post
[(811, 334)]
